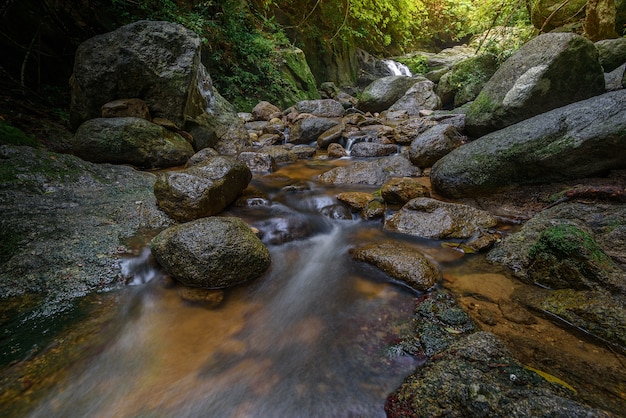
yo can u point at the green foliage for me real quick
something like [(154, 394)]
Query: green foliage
[(416, 63), (10, 135)]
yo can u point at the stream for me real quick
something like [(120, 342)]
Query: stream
[(313, 337)]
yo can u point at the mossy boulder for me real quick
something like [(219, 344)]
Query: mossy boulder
[(466, 79), (296, 72), (211, 253), (580, 140), (551, 14), (550, 71), (130, 140)]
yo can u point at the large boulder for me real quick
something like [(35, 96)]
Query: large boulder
[(384, 92), (433, 219), (574, 251), (132, 141), (158, 62), (579, 140), (375, 172), (550, 71), (211, 253), (297, 74), (201, 190), (401, 262)]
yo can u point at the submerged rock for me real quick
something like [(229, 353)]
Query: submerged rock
[(211, 253), (401, 262)]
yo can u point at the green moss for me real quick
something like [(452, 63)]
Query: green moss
[(417, 63), (10, 135), (568, 241)]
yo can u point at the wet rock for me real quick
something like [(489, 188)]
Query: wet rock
[(579, 140), (374, 209), (384, 92), (201, 157), (282, 227), (67, 217), (280, 153), (304, 152), (121, 108), (265, 111), (430, 146), (323, 108), (550, 71), (401, 262), (477, 376), (202, 190), (410, 129), (419, 97), (258, 161), (307, 130), (356, 201), (338, 212), (211, 253), (372, 149), (375, 172), (132, 141), (336, 151), (430, 218), (330, 136), (398, 191)]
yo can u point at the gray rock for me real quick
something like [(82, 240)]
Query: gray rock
[(575, 141), (280, 153), (336, 151), (550, 71), (612, 53), (429, 218), (331, 136), (410, 129), (372, 149), (323, 108), (158, 62), (121, 108), (375, 172), (201, 157), (211, 253), (384, 92), (419, 97), (132, 141), (464, 383), (258, 161), (401, 262), (136, 61), (264, 111), (398, 191), (308, 130), (202, 190), (432, 145), (64, 223)]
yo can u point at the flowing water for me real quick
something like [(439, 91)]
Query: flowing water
[(313, 337)]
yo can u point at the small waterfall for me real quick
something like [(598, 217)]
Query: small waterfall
[(397, 68)]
